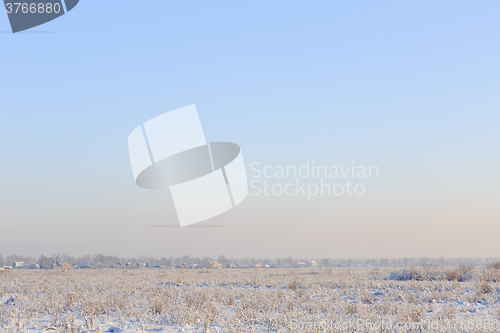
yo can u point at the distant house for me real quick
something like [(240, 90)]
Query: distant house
[(299, 264), (256, 265), (18, 265), (66, 265), (311, 263), (180, 265), (231, 265), (86, 265), (212, 264), (195, 266), (133, 265), (156, 265)]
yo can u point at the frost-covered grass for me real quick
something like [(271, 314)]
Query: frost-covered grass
[(244, 300)]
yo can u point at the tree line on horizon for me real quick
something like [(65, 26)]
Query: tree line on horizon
[(58, 259)]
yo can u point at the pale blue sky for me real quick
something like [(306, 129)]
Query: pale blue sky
[(412, 87)]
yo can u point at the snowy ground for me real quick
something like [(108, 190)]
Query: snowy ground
[(460, 299)]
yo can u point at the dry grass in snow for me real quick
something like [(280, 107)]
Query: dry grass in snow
[(246, 300)]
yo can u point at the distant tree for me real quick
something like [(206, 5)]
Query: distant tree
[(222, 260), (45, 262), (2, 263), (279, 262), (423, 261), (204, 260), (56, 258), (407, 261), (29, 260), (85, 259), (13, 258), (441, 261), (98, 258)]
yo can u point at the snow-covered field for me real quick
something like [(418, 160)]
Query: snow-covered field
[(459, 299)]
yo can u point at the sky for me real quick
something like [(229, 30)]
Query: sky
[(408, 87)]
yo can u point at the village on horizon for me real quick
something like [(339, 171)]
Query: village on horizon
[(112, 262)]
